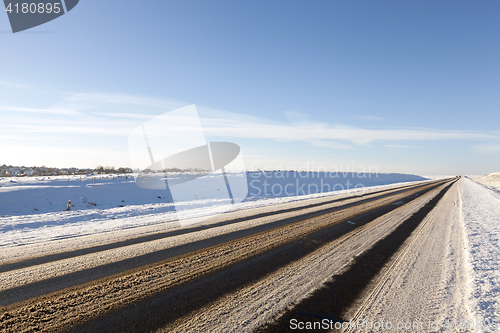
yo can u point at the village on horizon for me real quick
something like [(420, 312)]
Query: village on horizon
[(22, 171)]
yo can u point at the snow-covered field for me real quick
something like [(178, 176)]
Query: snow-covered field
[(34, 209), (481, 215), (491, 180)]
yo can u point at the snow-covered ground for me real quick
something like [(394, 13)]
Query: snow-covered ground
[(491, 180), (481, 215), (34, 209)]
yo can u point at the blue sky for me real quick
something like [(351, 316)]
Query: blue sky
[(403, 86)]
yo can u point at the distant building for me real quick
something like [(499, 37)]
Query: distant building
[(30, 173), (14, 172), (125, 170)]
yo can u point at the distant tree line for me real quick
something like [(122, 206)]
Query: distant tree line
[(23, 171), (34, 171)]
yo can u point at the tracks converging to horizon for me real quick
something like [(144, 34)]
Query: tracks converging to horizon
[(244, 271)]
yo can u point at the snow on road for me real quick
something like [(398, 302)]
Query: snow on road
[(481, 215), (257, 303), (423, 288)]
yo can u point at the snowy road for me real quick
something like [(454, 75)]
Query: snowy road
[(443, 277), (481, 215), (425, 285), (248, 254)]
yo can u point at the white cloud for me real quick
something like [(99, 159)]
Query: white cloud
[(399, 146), (368, 117), (125, 115), (98, 117), (323, 133), (11, 137), (82, 101), (54, 111), (105, 116), (102, 129), (488, 148), (229, 124), (296, 116), (14, 85)]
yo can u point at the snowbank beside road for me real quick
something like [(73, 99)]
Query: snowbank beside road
[(481, 214), (491, 180)]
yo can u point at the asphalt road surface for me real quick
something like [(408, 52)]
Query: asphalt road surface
[(350, 257)]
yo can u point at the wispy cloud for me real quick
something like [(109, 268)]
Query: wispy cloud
[(54, 111), (125, 115), (89, 101), (95, 114), (108, 114), (102, 129), (14, 85), (11, 137), (98, 114), (488, 148), (322, 134), (295, 116), (399, 146), (368, 117)]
